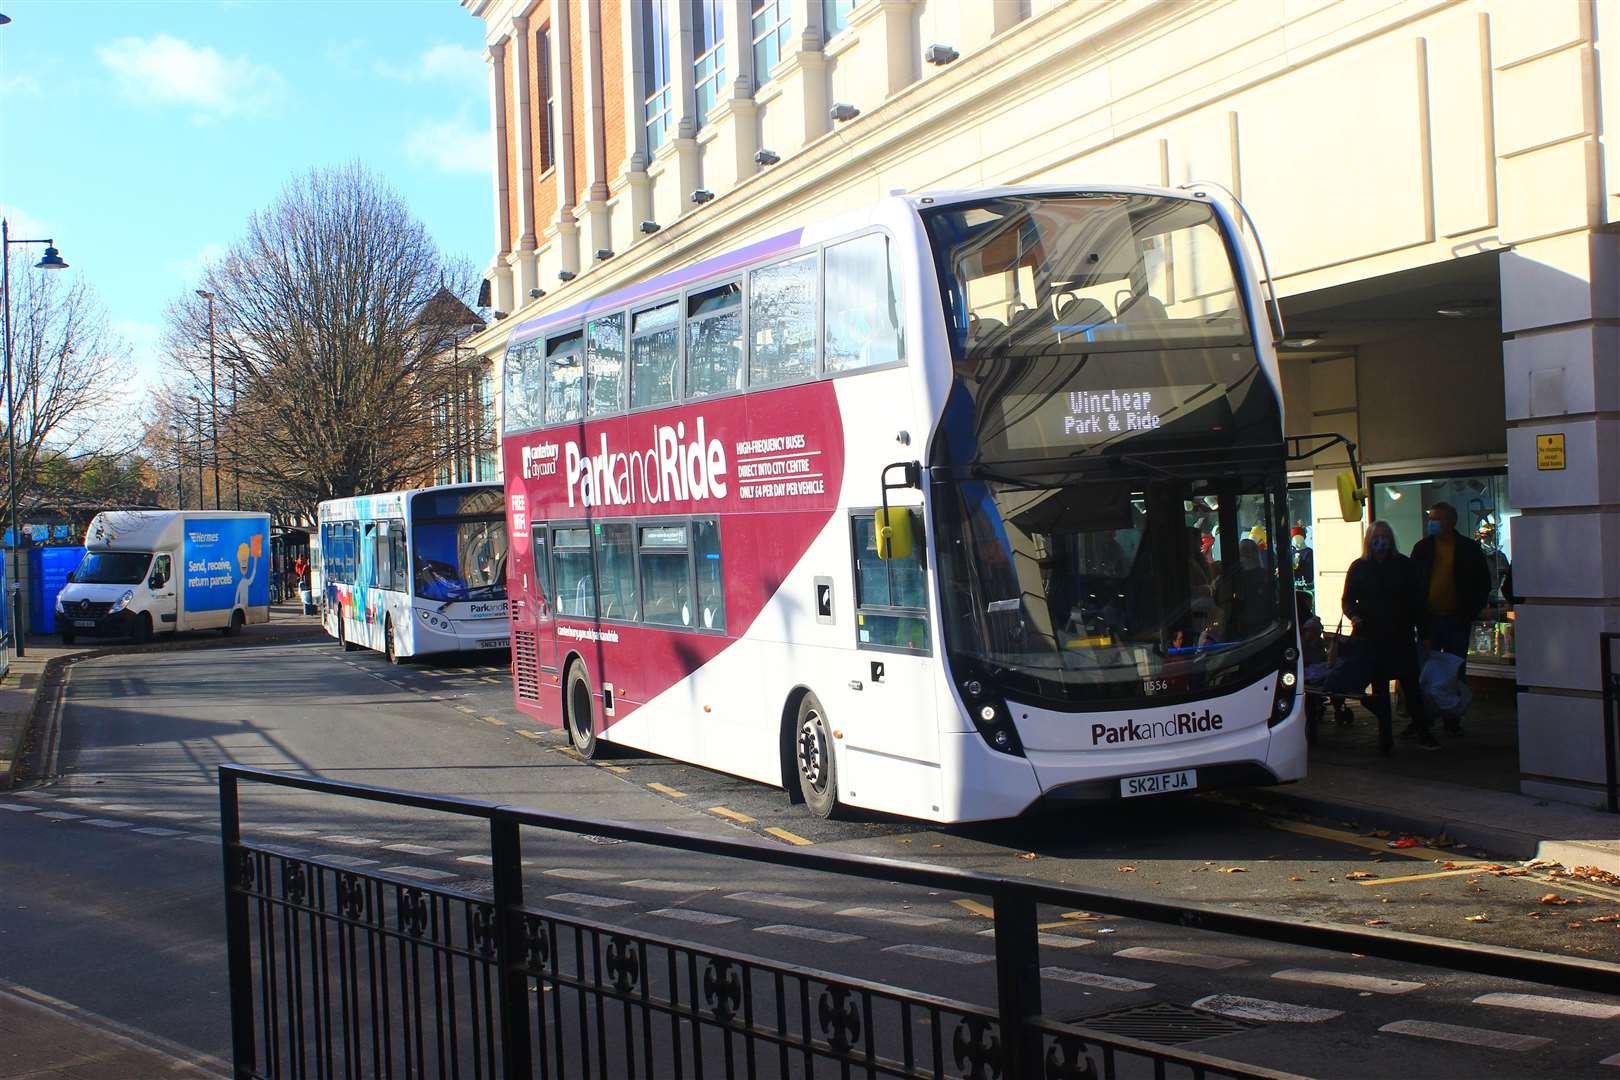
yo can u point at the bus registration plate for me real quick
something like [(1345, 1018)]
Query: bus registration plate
[(1158, 783), (495, 643)]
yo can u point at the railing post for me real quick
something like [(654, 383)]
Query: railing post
[(238, 944), (507, 865), (1018, 982)]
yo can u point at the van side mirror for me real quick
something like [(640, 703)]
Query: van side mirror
[(155, 581), (892, 527), (1352, 496)]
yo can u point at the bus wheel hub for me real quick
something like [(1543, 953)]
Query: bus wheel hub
[(811, 751)]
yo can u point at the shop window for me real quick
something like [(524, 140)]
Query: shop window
[(1299, 546)]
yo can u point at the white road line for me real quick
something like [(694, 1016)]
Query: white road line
[(80, 802), (477, 860), (811, 933), (351, 841), (574, 873), (1091, 978), (422, 873), (288, 830), (416, 849), (1344, 979), (1542, 1003), (204, 838), (589, 899), (667, 886), (1052, 941), (108, 823), (176, 815), (15, 809), (1471, 1036), (705, 918), (62, 815), (157, 830), (1181, 959), (1267, 1012), (934, 952), (899, 918), (36, 795), (795, 903), (128, 808), (350, 861)]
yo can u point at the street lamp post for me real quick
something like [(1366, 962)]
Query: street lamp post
[(213, 393), (52, 260)]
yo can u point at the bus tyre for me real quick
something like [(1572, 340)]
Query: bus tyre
[(389, 649), (143, 630), (343, 634), (812, 749), (580, 711)]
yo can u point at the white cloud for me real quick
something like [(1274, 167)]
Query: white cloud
[(451, 146), (193, 267), (149, 363), (164, 70), (456, 64), (24, 226)]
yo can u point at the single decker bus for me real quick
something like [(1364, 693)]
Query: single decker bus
[(940, 508), (414, 572)]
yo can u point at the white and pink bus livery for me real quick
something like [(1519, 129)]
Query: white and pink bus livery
[(1066, 398)]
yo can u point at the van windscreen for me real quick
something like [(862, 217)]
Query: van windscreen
[(112, 568)]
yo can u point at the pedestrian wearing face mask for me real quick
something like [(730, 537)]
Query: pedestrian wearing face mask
[(1382, 602), (1454, 584)]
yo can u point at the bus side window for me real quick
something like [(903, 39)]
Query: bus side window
[(616, 572), (604, 365), (400, 579), (862, 306), (711, 593), (891, 595), (542, 569), (666, 575), (573, 572), (782, 322), (655, 355), (714, 341)]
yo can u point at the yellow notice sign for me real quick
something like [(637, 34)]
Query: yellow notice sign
[(1550, 452)]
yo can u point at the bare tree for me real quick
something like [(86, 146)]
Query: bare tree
[(334, 348), (65, 362)]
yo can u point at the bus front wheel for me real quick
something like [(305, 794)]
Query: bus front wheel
[(581, 711), (818, 772)]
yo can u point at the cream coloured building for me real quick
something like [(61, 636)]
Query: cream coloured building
[(1431, 179)]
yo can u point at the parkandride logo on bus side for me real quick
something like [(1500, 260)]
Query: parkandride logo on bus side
[(1181, 723), (671, 470)]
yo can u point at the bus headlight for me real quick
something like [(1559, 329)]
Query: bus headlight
[(991, 717), (1288, 678), (435, 620), (1287, 686), (122, 602)]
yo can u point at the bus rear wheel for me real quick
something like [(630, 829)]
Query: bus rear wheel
[(812, 749), (580, 712), (343, 634)]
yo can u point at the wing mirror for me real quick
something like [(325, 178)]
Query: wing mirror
[(892, 527), (1352, 496)]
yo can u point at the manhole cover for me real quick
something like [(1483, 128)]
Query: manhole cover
[(1162, 1022)]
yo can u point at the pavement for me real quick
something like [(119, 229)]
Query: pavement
[(45, 1038)]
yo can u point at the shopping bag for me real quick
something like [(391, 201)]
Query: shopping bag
[(1442, 685)]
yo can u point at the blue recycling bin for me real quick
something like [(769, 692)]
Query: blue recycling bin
[(48, 570)]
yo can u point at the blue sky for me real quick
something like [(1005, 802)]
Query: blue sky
[(141, 134)]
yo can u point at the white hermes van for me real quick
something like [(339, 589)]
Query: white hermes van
[(151, 572)]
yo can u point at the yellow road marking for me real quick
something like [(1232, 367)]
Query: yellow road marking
[(614, 768), (792, 838), (465, 709), (530, 734), (982, 910), (497, 721), (570, 751), (1371, 843), (732, 814), (665, 789), (1475, 869)]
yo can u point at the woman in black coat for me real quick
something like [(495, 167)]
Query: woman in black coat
[(1382, 602)]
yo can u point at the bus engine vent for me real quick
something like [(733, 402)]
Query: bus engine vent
[(525, 666)]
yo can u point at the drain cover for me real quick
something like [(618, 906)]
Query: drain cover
[(1162, 1022)]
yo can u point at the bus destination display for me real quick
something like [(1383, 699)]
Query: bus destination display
[(1093, 417)]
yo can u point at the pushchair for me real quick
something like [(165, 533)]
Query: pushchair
[(1329, 671)]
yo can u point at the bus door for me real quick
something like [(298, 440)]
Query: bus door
[(538, 599)]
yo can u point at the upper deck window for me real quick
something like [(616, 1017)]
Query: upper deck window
[(863, 305), (604, 364), (655, 355), (714, 341), (523, 407), (565, 379), (782, 322)]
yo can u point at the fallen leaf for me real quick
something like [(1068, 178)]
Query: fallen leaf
[(1233, 870), (936, 845), (1596, 875), (1028, 855), (1313, 871), (1574, 926), (1359, 875), (1377, 922), (1403, 842), (1538, 914), (1560, 901), (1295, 877), (1126, 869), (1607, 918), (1382, 834), (1476, 918)]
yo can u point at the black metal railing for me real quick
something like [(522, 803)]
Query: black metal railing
[(334, 972)]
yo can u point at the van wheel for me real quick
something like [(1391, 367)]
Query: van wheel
[(813, 750), (389, 650), (143, 630), (238, 620), (68, 637), (579, 711)]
